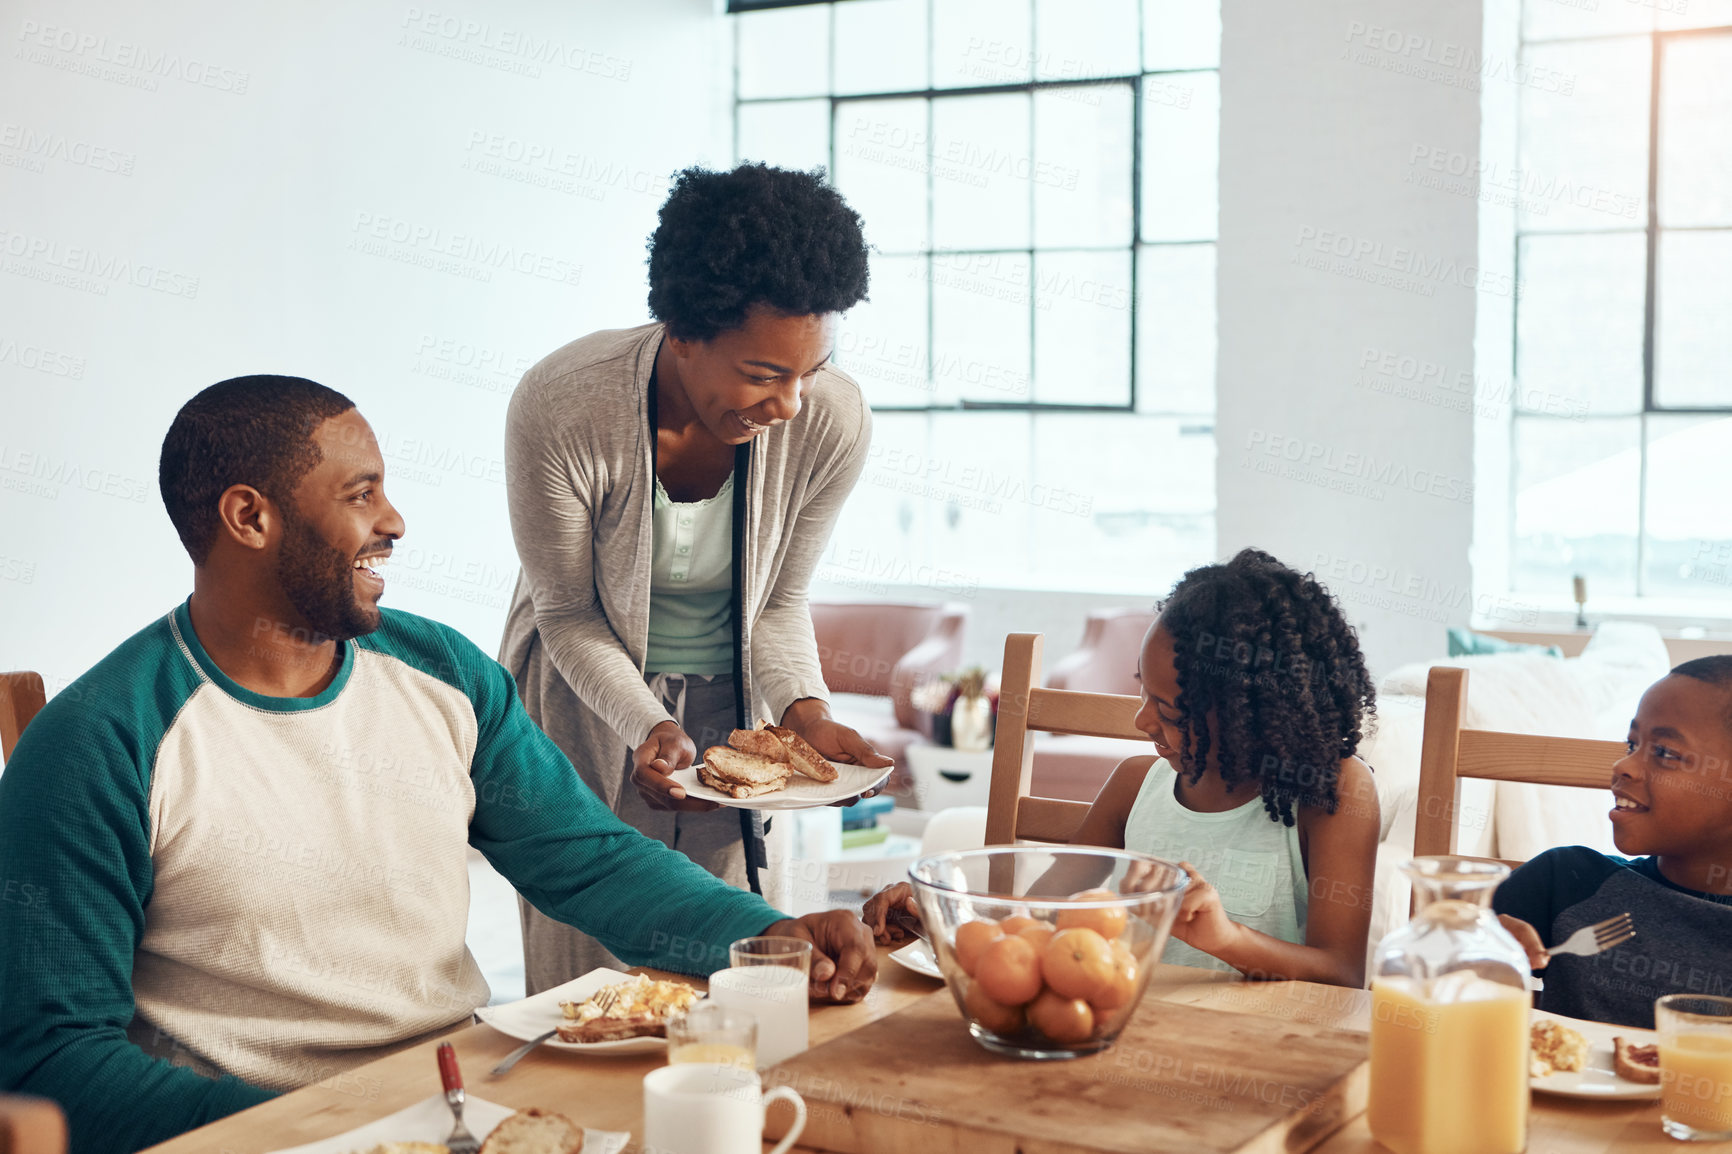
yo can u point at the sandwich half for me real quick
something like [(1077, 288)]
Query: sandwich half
[(802, 756), (742, 775)]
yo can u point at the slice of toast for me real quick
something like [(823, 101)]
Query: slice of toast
[(741, 775), (535, 1131), (759, 741), (614, 1029), (802, 756), (1636, 1063)]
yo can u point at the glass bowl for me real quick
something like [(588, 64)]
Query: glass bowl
[(1047, 950)]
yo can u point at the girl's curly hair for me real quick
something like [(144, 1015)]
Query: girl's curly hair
[(1266, 651)]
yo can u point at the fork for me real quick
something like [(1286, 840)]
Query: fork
[(605, 1000), (1590, 940), (461, 1140)]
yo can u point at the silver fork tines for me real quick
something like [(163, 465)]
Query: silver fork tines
[(1590, 940)]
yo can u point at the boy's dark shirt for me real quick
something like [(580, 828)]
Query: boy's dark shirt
[(1683, 942)]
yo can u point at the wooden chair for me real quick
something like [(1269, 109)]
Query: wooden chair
[(1448, 753), (21, 697), (31, 1126), (1025, 708)]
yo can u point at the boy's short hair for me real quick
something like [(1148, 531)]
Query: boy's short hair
[(244, 431), (1715, 671)]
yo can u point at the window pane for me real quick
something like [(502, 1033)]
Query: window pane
[(980, 171), (979, 42), (1082, 328), (1553, 19), (1693, 320), (977, 486), (1584, 152), (1176, 329), (1689, 552), (882, 341), (1577, 484), (1083, 38), (1098, 522), (788, 134), (1082, 171), (980, 307), (1181, 34), (784, 52), (1696, 131), (881, 46), (1579, 320), (1695, 14), (1181, 128), (881, 537), (881, 168)]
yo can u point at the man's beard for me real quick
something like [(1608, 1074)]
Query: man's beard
[(319, 581)]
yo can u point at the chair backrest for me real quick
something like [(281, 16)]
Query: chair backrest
[(1449, 752), (1024, 708), (1106, 661), (21, 697), (31, 1126)]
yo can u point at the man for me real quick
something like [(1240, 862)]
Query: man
[(244, 832)]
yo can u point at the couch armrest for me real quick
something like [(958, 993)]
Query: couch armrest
[(940, 653)]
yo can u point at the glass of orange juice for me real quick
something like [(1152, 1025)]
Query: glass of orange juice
[(1695, 1066), (712, 1033)]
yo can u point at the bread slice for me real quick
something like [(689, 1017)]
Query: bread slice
[(759, 741), (802, 756), (739, 789), (535, 1131), (614, 1029), (1636, 1063), (741, 775)]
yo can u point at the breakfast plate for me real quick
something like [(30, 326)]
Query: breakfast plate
[(1599, 1080), (917, 956), (429, 1120), (801, 792), (532, 1017)]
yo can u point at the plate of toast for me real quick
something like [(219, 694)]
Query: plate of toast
[(603, 1012), (772, 767), (1581, 1059)]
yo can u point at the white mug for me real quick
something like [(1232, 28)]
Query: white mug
[(700, 1108)]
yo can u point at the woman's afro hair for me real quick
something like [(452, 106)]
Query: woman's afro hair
[(1266, 652), (753, 236)]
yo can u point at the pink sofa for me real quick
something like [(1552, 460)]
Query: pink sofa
[(1075, 767), (873, 654)]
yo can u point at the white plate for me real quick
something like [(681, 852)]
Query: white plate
[(801, 792), (533, 1017), (429, 1120), (917, 956), (1599, 1079)]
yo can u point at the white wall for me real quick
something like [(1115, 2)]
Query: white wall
[(1331, 113), (311, 190)]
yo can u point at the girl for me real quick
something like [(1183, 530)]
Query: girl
[(1255, 695)]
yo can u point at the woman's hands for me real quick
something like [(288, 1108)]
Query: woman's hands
[(892, 915), (1202, 921), (666, 749), (810, 718)]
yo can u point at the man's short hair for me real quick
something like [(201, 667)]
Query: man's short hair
[(1716, 671), (253, 431)]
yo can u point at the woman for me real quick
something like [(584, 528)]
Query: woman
[(671, 488)]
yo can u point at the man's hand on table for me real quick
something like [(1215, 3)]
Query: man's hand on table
[(844, 964)]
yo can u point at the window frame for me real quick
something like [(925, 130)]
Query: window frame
[(1135, 81)]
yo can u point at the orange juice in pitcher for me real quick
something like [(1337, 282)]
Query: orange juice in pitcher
[(1449, 1021)]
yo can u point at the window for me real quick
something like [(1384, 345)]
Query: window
[(1037, 179), (1622, 428)]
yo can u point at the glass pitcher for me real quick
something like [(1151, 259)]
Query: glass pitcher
[(1449, 1020)]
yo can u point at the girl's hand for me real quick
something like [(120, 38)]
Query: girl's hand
[(666, 749), (1529, 938), (1202, 921), (889, 914)]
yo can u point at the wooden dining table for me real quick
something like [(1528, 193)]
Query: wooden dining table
[(606, 1093)]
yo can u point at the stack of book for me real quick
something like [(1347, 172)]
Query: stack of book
[(861, 825)]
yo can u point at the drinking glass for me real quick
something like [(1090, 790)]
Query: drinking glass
[(776, 996), (772, 951), (708, 1032), (1695, 1066)]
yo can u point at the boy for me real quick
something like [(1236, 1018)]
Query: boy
[(1673, 816)]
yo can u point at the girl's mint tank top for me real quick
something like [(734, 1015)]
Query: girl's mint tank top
[(1253, 862)]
